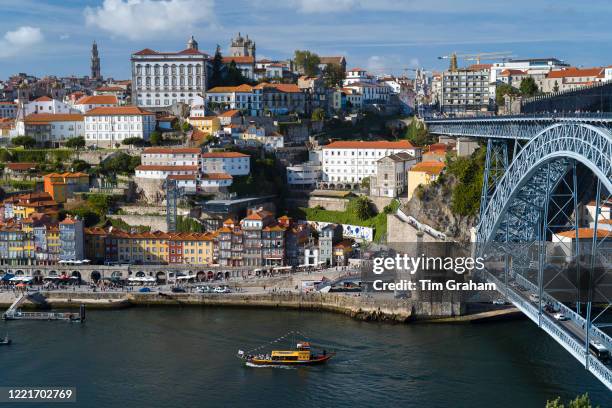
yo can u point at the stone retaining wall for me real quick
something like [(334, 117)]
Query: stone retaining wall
[(360, 307)]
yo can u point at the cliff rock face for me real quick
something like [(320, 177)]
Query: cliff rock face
[(433, 207), (150, 190)]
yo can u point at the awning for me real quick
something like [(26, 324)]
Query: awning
[(142, 279), (21, 279), (7, 277)]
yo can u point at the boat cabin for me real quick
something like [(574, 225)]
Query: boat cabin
[(301, 354)]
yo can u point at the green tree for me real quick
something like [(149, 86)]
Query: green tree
[(156, 138), (361, 207), (365, 182), (333, 75), (528, 87), (26, 141), (89, 217), (582, 401), (99, 203), (121, 163), (234, 75), (76, 142), (556, 87), (5, 156), (134, 141), (417, 134), (186, 127), (307, 62), (318, 115), (216, 77), (504, 89), (465, 197), (80, 165)]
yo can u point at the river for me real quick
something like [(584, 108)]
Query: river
[(173, 357)]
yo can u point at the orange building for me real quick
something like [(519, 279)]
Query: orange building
[(62, 186)]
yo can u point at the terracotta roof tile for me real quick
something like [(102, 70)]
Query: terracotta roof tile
[(144, 167), (118, 110), (97, 100), (168, 150), (430, 167), (217, 176), (360, 144), (223, 155), (239, 60), (230, 89), (585, 233), (574, 72), (45, 118)]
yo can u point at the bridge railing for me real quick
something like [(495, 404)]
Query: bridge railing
[(545, 116), (595, 332)]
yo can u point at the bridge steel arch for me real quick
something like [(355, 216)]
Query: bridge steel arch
[(588, 144), (518, 211)]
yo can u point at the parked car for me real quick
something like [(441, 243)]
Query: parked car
[(222, 289), (177, 289), (144, 290), (204, 289)]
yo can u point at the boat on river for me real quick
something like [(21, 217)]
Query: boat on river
[(302, 355), (5, 341)]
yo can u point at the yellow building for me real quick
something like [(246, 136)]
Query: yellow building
[(197, 248), (25, 205), (205, 124), (143, 247), (423, 173)]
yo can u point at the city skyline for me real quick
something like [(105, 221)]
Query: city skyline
[(381, 36)]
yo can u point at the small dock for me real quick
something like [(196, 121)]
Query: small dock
[(15, 313)]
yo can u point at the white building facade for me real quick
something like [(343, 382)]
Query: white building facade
[(304, 175), (243, 98), (161, 79), (161, 172), (232, 163), (183, 156), (352, 161), (51, 129), (107, 127)]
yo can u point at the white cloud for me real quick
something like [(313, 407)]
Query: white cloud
[(325, 6), (21, 40), (376, 65), (138, 19)]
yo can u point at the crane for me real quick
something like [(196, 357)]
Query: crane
[(476, 57)]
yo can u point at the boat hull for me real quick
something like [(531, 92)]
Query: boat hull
[(313, 361)]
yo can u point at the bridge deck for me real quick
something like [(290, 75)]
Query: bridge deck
[(570, 334), (521, 127)]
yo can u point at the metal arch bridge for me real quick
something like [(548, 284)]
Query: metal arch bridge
[(533, 223)]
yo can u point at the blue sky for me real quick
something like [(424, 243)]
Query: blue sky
[(54, 36)]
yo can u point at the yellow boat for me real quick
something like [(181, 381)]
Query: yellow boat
[(302, 356)]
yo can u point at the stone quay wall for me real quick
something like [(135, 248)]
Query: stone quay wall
[(359, 307)]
